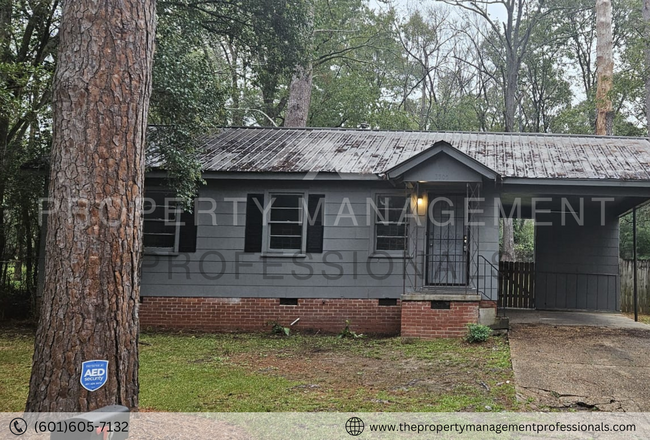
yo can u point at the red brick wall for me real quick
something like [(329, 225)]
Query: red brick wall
[(408, 318), (419, 320), (253, 314)]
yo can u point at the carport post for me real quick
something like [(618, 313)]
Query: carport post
[(636, 304)]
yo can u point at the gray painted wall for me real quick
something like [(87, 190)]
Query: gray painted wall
[(220, 268), (577, 266), (347, 268), (442, 168)]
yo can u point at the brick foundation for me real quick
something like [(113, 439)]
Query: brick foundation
[(253, 314), (408, 318), (419, 320)]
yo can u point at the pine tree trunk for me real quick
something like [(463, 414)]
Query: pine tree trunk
[(510, 101), (299, 98), (510, 93), (508, 250), (605, 68), (90, 298)]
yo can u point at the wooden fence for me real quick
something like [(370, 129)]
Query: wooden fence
[(517, 284), (626, 268)]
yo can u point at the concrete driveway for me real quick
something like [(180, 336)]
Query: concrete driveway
[(597, 362)]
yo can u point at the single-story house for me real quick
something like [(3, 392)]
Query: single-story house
[(391, 232)]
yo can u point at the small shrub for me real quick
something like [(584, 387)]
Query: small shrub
[(347, 333), (478, 333), (278, 329)]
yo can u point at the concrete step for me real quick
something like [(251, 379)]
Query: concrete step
[(501, 323)]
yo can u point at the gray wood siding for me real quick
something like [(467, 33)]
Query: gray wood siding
[(577, 266), (220, 268), (347, 268)]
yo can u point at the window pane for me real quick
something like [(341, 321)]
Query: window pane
[(286, 229), (281, 242), (161, 213), (286, 201), (391, 230), (394, 202), (159, 241), (285, 214), (158, 227), (391, 216), (390, 244)]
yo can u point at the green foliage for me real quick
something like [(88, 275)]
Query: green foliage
[(477, 333), (279, 329), (524, 235), (643, 235), (353, 57), (27, 56), (347, 333), (187, 97)]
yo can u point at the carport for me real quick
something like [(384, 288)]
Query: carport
[(576, 240)]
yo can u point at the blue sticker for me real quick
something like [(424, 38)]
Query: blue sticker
[(94, 374)]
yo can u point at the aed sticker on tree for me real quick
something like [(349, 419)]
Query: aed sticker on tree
[(94, 374)]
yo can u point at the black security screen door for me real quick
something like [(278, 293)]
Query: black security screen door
[(446, 241)]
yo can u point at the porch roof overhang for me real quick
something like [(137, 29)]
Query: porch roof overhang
[(438, 150), (616, 197)]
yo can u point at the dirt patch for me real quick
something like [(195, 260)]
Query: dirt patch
[(343, 370), (581, 368), (381, 371)]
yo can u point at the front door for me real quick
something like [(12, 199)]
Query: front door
[(446, 241)]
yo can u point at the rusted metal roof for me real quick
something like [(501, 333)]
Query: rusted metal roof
[(512, 155)]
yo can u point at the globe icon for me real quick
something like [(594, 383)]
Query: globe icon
[(354, 426)]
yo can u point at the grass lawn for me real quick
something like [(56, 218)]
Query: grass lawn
[(256, 372)]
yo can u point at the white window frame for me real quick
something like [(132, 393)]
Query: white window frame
[(378, 253), (266, 224), (149, 250)]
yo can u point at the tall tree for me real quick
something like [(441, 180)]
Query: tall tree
[(510, 41), (262, 41), (27, 43), (646, 34), (510, 44), (90, 299), (604, 68), (299, 99), (427, 41), (336, 33)]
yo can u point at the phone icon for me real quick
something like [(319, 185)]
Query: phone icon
[(18, 426)]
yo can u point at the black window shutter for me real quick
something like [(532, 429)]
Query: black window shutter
[(187, 234), (254, 219), (315, 231)]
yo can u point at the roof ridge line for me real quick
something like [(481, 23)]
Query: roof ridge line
[(483, 133)]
